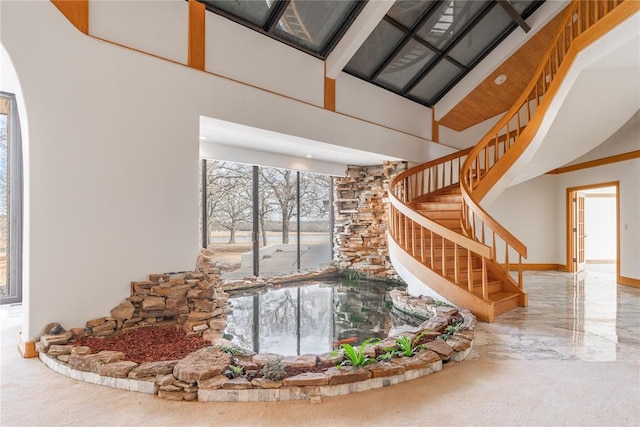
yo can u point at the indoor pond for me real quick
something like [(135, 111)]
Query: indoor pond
[(312, 317)]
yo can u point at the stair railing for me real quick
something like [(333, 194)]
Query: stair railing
[(508, 139), (478, 168), (412, 231)]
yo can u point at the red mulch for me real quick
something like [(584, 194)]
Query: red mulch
[(147, 344)]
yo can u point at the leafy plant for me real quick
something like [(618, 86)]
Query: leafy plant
[(234, 371), (440, 303), (273, 369), (408, 346), (451, 329), (386, 356), (355, 356)]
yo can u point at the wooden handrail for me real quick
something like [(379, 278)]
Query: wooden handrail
[(496, 153), (485, 163)]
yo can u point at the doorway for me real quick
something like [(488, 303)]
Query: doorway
[(593, 231)]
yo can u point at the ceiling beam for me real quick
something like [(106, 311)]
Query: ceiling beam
[(508, 7), (364, 24)]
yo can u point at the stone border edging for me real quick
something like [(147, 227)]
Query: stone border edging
[(312, 393)]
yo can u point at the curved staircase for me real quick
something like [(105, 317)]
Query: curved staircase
[(439, 235)]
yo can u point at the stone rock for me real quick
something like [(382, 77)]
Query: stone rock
[(239, 383), (469, 319), (117, 369), (218, 324), (95, 322), (202, 364), (177, 291), (436, 323), (213, 383), (153, 303), (80, 350), (52, 329), (159, 312), (80, 332), (152, 369), (93, 362), (57, 350), (204, 305), (385, 369), (266, 383), (200, 293), (123, 311), (105, 327), (429, 356), (261, 358), (171, 387), (328, 360), (211, 335), (347, 374), (443, 349), (300, 362), (64, 358), (200, 328), (171, 395), (467, 335), (158, 278), (400, 330), (248, 365), (49, 340), (410, 363), (457, 344), (41, 348), (165, 379), (175, 302), (196, 316), (306, 379), (190, 396)]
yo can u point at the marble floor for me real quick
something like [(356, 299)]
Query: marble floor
[(571, 358), (586, 317)]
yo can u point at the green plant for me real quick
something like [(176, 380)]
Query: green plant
[(408, 346), (386, 356), (233, 351), (234, 371), (273, 369), (456, 326), (439, 303), (355, 356)]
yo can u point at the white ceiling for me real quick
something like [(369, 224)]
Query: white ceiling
[(233, 135)]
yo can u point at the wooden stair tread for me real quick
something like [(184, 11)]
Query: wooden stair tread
[(502, 296)]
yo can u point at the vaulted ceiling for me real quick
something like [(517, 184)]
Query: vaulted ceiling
[(419, 49)]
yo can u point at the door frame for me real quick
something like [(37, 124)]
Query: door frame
[(570, 221)]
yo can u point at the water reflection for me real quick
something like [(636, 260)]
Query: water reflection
[(313, 317)]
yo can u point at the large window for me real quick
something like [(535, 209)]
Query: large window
[(262, 220), (10, 201)]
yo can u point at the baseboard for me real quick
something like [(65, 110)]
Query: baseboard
[(629, 281), (539, 267), (27, 348), (600, 261)]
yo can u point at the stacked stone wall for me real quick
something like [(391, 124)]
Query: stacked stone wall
[(361, 206), (194, 300)]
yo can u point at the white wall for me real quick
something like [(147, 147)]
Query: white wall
[(358, 98), (535, 212), (156, 27), (529, 212), (111, 137), (240, 53), (628, 173), (469, 136)]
